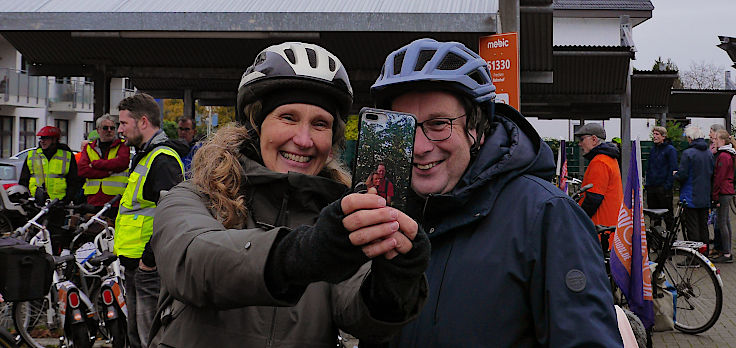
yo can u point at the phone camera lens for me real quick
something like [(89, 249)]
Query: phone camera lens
[(372, 117)]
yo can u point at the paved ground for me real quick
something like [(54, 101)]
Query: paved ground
[(723, 334)]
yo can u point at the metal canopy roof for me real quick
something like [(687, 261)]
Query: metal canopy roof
[(168, 46), (728, 44), (589, 81), (650, 92), (711, 103)]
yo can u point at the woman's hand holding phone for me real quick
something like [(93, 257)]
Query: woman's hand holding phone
[(376, 228)]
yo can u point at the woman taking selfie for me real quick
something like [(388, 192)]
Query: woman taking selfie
[(259, 248)]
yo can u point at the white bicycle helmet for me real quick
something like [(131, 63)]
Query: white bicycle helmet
[(295, 65)]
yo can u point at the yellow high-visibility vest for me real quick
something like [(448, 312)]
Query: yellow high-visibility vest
[(134, 223), (51, 173), (112, 185)]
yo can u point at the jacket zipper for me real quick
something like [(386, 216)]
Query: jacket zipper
[(269, 342), (442, 282)]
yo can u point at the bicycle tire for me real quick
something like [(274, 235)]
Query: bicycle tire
[(118, 332), (79, 336), (699, 292), (6, 315), (30, 322)]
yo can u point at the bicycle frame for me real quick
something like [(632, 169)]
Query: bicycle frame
[(671, 242)]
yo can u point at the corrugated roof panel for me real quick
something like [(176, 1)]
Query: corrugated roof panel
[(250, 6), (644, 5), (536, 41), (650, 89)]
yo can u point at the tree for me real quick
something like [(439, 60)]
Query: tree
[(702, 75), (669, 65)]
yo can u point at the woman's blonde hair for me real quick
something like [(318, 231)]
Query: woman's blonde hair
[(217, 170), (723, 135)]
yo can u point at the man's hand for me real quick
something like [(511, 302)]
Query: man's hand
[(142, 266), (379, 229)]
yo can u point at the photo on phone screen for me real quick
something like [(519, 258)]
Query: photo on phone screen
[(384, 154)]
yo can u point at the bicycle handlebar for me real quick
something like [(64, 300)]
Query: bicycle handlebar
[(96, 218)]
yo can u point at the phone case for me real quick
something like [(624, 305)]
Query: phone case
[(384, 154)]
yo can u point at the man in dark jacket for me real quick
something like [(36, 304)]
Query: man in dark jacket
[(694, 175), (662, 162), (515, 262), (156, 167)]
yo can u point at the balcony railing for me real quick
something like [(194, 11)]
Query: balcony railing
[(116, 95), (19, 88), (71, 96)]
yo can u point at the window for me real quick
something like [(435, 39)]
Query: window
[(27, 133), (63, 126), (89, 126), (6, 136)]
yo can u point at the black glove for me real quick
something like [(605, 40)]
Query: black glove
[(394, 286), (308, 254)]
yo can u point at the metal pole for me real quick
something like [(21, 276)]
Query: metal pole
[(626, 123)]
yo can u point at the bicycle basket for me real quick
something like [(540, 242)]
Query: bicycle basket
[(28, 270)]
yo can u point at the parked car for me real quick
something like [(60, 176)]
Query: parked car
[(10, 171)]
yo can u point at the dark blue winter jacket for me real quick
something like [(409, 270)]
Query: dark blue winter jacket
[(515, 262), (662, 162), (694, 174)]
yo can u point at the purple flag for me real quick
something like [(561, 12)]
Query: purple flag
[(629, 255)]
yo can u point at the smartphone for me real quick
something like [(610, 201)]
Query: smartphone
[(384, 154)]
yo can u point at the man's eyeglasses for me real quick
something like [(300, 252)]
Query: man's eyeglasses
[(46, 138), (108, 128), (184, 129), (438, 129)]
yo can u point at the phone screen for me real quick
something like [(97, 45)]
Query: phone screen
[(384, 154)]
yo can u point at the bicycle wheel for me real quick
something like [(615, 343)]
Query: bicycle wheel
[(31, 321), (80, 336), (6, 316), (699, 293), (118, 332)]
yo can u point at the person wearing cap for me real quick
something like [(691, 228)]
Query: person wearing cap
[(659, 180), (514, 261), (602, 202), (104, 163), (50, 172), (695, 174), (261, 247)]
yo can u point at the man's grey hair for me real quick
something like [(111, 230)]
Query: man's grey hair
[(716, 127), (693, 132), (105, 117)]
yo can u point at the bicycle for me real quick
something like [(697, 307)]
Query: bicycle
[(697, 282), (102, 277), (63, 307)]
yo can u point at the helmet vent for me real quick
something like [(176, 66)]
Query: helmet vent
[(332, 64), (476, 75), (451, 62), (260, 59), (424, 57), (312, 57), (398, 61), (290, 55)]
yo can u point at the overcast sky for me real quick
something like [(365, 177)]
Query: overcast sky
[(686, 31)]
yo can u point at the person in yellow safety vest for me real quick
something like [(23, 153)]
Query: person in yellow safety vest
[(50, 171), (156, 167), (104, 163)]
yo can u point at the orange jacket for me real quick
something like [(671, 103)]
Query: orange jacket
[(603, 172)]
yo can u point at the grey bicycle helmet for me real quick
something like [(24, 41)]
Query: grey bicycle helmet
[(427, 62), (295, 66)]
